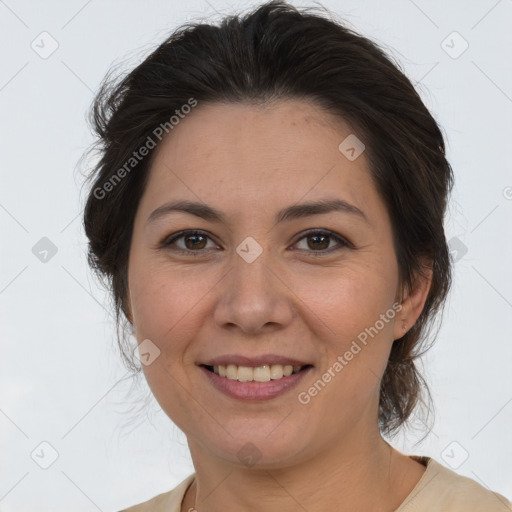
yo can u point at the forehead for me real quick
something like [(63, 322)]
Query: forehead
[(244, 155)]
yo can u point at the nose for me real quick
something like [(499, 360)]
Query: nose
[(252, 296)]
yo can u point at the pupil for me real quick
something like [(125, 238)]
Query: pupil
[(321, 236), (194, 245)]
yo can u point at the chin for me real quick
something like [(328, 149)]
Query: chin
[(256, 448)]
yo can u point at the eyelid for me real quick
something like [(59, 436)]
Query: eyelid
[(171, 239), (342, 241)]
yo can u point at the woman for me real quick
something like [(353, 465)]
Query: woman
[(269, 211)]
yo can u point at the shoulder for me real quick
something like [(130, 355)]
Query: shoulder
[(442, 490), (167, 502)]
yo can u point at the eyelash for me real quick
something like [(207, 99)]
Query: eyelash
[(168, 241)]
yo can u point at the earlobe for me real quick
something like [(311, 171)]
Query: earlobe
[(414, 301)]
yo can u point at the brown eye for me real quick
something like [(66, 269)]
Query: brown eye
[(193, 241), (319, 241)]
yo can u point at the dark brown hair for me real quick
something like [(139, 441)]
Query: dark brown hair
[(280, 52)]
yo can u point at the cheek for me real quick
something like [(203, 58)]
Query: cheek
[(167, 311), (347, 300), (351, 310), (356, 332), (162, 297)]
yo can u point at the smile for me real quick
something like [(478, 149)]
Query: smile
[(263, 373), (240, 382)]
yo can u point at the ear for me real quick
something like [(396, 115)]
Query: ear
[(126, 307), (129, 316), (413, 300)]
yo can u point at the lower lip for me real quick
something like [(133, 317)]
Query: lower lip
[(254, 391)]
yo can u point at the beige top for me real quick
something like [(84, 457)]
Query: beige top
[(439, 490)]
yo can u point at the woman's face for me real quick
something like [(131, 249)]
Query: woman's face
[(257, 283)]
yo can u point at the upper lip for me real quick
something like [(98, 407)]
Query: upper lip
[(253, 361)]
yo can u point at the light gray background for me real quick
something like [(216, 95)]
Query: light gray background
[(60, 371)]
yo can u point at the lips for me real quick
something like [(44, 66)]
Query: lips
[(254, 361), (255, 391), (296, 369)]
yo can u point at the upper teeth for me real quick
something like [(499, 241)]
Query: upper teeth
[(259, 373)]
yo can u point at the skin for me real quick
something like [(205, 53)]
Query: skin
[(249, 162)]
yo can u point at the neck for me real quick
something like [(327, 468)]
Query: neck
[(341, 477)]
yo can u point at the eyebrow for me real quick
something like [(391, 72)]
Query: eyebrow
[(289, 213)]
